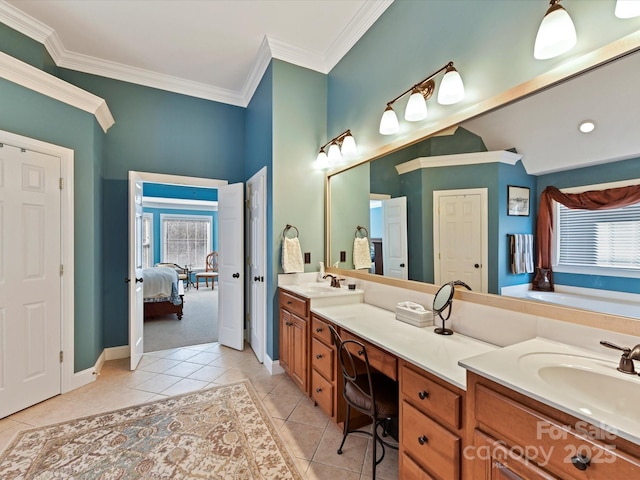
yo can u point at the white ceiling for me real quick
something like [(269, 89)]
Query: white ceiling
[(214, 49), (544, 127)]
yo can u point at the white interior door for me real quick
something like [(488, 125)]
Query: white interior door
[(394, 238), (460, 246), (231, 266), (136, 314), (30, 278), (256, 196)]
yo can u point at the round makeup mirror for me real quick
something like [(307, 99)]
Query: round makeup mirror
[(441, 302)]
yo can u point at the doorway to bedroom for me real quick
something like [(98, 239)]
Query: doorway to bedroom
[(179, 230)]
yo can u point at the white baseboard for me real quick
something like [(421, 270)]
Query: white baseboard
[(272, 366), (115, 353)]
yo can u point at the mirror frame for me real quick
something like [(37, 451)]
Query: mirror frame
[(567, 70)]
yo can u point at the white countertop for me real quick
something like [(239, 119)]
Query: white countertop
[(545, 371), (437, 354)]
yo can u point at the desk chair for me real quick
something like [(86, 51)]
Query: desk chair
[(372, 394), (210, 270)]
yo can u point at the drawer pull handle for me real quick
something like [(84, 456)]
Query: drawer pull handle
[(289, 302), (360, 352), (422, 439), (318, 390), (318, 330), (319, 356), (581, 462), (423, 394), (288, 324)]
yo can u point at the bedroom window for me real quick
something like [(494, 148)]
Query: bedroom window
[(602, 242), (147, 240), (186, 239)]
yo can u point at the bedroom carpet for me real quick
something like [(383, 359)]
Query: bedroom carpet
[(199, 323)]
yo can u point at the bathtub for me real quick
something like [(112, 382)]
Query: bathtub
[(626, 307)]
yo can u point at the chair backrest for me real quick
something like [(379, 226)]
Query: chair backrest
[(212, 262), (352, 371)]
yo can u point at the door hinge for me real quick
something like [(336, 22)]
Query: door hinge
[(248, 260), (61, 356), (61, 269), (61, 183), (248, 203)]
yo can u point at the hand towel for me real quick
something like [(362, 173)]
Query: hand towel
[(361, 253), (521, 246), (292, 256)]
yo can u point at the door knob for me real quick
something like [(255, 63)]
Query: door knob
[(236, 275), (477, 265), (256, 279), (402, 265), (138, 280)]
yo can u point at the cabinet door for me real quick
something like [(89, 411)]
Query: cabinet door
[(493, 461), (298, 359), (285, 343)]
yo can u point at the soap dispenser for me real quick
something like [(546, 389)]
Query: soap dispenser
[(321, 272)]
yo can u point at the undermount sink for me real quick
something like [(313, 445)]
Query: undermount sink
[(594, 382)]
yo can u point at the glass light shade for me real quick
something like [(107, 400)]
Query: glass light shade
[(416, 108), (389, 122), (451, 88), (349, 145), (322, 160), (334, 153), (587, 126), (627, 8), (556, 34)]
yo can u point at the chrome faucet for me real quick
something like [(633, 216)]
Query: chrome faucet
[(628, 356), (335, 282)]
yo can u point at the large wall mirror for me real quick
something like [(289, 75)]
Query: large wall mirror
[(448, 203)]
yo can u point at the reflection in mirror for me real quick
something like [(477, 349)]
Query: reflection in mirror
[(543, 129)]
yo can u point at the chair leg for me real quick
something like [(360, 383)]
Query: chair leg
[(374, 462), (345, 430)]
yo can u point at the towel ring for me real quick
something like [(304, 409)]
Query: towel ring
[(359, 229), (289, 227)]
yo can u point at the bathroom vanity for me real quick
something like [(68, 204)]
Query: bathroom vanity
[(470, 409)]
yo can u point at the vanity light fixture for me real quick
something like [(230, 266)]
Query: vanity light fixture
[(627, 8), (556, 34), (587, 126), (333, 151), (451, 91)]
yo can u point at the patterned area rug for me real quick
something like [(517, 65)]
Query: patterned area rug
[(223, 432)]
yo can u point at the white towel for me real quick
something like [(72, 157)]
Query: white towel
[(521, 245), (361, 253), (292, 256)]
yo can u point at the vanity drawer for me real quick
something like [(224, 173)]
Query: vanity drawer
[(322, 358), (431, 397), (548, 443), (432, 446), (293, 304), (379, 359), (411, 470), (322, 392), (320, 330)]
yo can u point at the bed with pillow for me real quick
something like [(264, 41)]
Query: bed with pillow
[(162, 291)]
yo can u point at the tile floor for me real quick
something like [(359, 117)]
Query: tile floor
[(309, 434)]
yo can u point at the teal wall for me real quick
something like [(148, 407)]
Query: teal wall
[(259, 121), (24, 48), (160, 132), (610, 172), (299, 128), (30, 114)]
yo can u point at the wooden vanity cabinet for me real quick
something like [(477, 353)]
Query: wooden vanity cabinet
[(294, 326), (431, 426), (513, 436)]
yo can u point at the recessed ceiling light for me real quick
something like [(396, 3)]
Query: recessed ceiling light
[(587, 126)]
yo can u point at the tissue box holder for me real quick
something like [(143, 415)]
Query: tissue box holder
[(417, 319)]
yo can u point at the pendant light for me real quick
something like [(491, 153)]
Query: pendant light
[(332, 152), (389, 122), (556, 34)]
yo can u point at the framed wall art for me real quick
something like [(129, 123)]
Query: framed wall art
[(517, 201)]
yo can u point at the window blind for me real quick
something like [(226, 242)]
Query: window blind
[(600, 238)]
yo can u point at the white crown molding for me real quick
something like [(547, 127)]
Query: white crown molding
[(501, 156), (270, 48), (355, 29), (33, 78), (179, 203)]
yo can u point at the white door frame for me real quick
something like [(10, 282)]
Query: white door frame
[(258, 249), (69, 379), (484, 234), (175, 180)]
